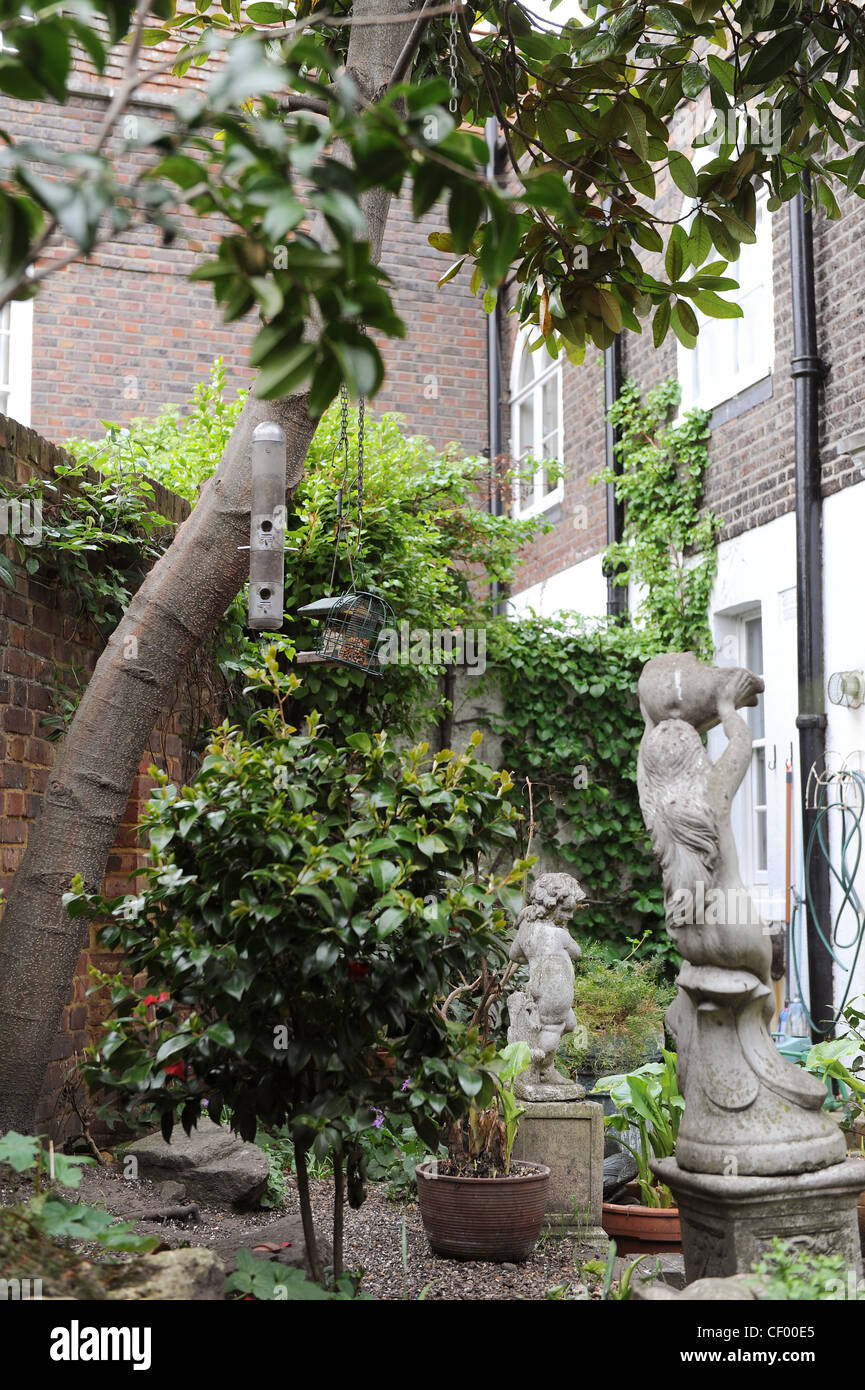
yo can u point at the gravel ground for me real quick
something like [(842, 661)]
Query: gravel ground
[(373, 1242)]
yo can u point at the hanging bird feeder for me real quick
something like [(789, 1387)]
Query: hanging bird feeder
[(351, 632), (354, 621)]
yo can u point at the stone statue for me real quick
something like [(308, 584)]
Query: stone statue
[(543, 1015), (748, 1111)]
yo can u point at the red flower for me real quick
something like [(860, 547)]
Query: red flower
[(176, 1069), (357, 969), (157, 998)]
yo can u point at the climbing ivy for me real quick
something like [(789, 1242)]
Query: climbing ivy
[(572, 724), (97, 538), (668, 544), (571, 729)]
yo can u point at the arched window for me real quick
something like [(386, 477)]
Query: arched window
[(536, 427), (732, 354)]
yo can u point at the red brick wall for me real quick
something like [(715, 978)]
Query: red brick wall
[(127, 332), (750, 480), (42, 634)]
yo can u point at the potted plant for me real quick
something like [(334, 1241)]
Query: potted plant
[(648, 1108), (620, 1006), (841, 1063), (478, 1203), (303, 898)]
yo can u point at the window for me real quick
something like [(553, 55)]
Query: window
[(16, 334), (536, 428), (732, 354)]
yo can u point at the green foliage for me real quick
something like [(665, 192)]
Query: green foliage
[(424, 539), (279, 1149), (620, 1006), (842, 1061), (180, 448), (302, 899), (649, 1100), (586, 112), (428, 549), (99, 537), (50, 1214), (571, 729), (787, 1272), (668, 543), (392, 1150), (265, 1280)]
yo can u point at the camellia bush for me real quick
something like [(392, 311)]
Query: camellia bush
[(306, 904)]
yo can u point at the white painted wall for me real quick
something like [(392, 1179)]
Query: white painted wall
[(581, 588), (759, 568), (843, 553)]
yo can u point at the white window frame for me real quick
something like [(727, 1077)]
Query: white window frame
[(719, 381), (19, 315), (545, 369), (745, 807)]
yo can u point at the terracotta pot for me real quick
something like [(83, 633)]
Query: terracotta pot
[(483, 1218), (383, 1066), (641, 1230)]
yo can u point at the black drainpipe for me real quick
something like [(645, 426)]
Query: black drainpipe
[(495, 444), (807, 369), (617, 594)]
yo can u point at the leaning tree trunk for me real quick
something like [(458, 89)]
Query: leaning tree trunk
[(174, 611)]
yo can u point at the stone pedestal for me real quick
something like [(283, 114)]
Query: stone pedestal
[(728, 1222), (569, 1137)]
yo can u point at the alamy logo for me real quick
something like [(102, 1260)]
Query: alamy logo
[(77, 1343), (21, 519), (20, 1289), (408, 646)]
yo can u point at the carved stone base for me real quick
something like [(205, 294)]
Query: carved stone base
[(544, 1092), (727, 1223), (569, 1137)]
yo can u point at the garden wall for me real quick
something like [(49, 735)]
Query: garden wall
[(44, 638)]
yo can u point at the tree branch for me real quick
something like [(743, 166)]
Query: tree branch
[(405, 59)]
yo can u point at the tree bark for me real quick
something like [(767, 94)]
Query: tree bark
[(173, 613)]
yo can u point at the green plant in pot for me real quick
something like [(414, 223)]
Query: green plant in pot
[(840, 1063), (479, 1204), (620, 1005), (303, 896), (649, 1109)]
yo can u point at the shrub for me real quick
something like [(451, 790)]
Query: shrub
[(620, 1007), (305, 904)]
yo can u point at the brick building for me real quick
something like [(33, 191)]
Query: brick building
[(128, 332)]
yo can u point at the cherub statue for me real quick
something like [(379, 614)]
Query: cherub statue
[(748, 1111), (543, 1015)]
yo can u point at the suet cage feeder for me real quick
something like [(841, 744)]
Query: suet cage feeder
[(353, 624)]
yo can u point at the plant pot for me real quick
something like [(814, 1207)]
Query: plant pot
[(639, 1230), (383, 1066), (483, 1218)]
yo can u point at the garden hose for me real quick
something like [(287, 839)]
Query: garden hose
[(844, 876)]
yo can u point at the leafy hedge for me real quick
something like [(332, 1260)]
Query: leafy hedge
[(571, 729)]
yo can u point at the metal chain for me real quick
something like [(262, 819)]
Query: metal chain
[(361, 419), (453, 104), (341, 444)]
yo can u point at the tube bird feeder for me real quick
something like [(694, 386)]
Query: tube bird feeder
[(267, 528)]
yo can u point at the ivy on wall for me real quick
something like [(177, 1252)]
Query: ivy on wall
[(571, 729), (572, 724), (668, 547)]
